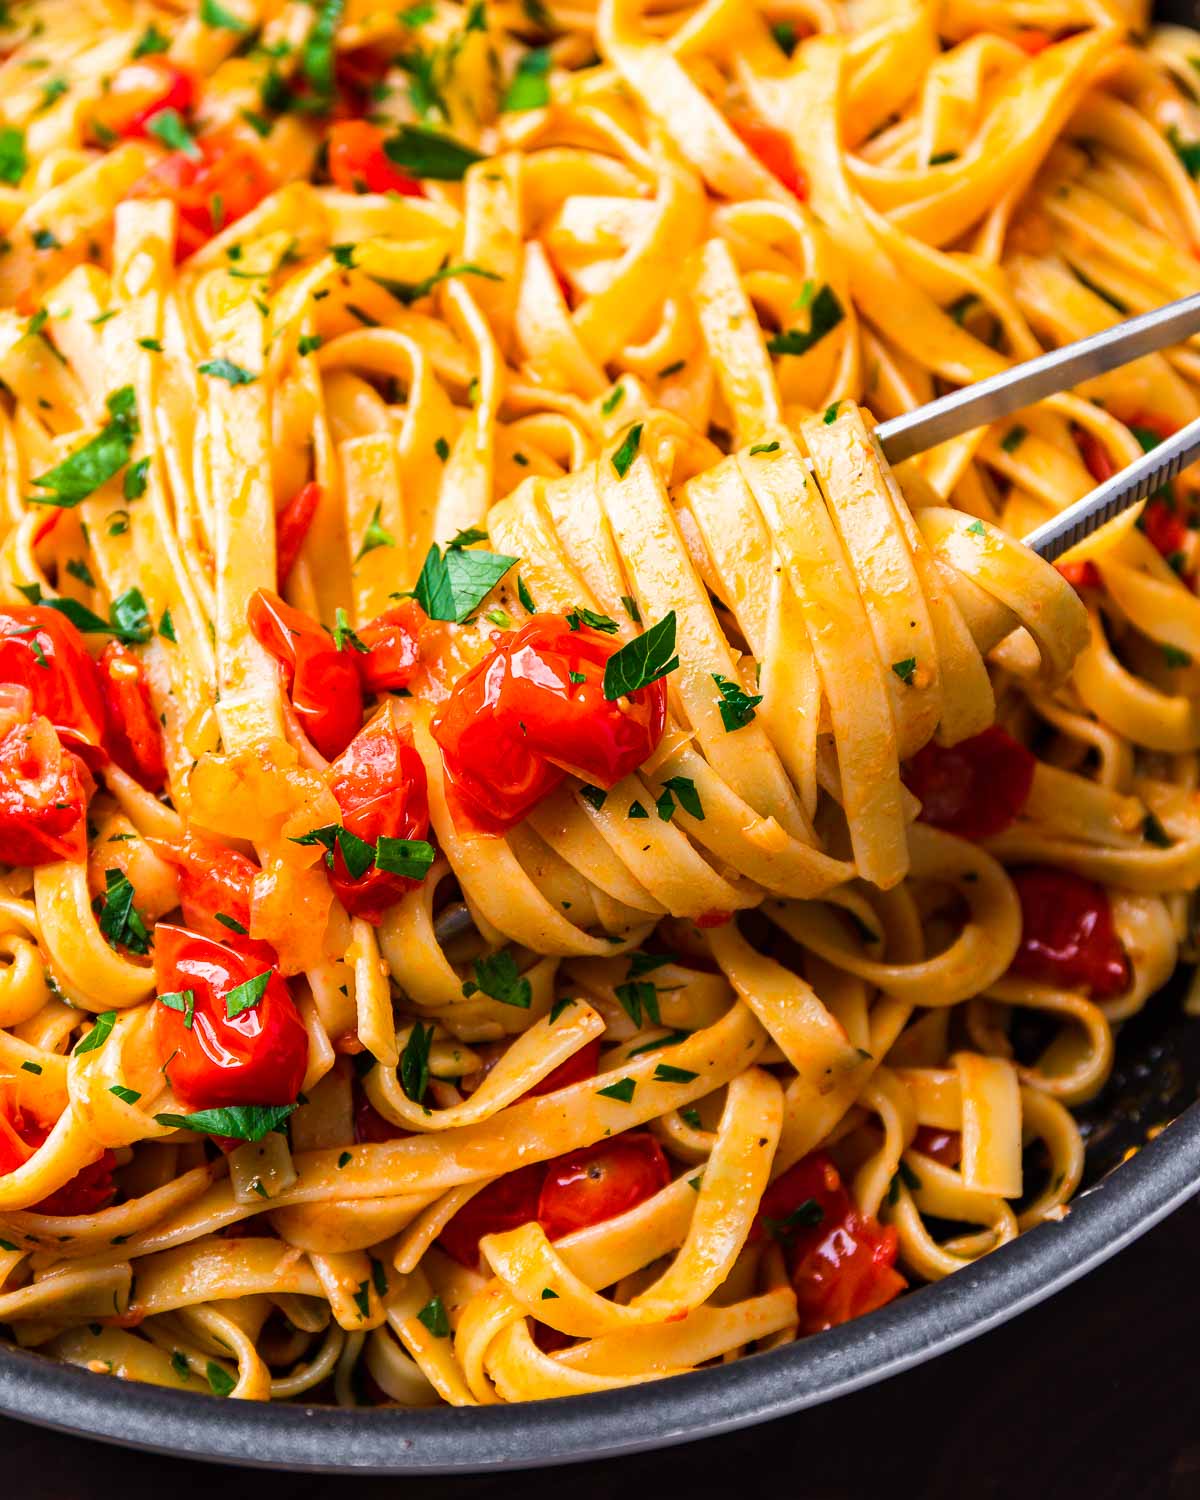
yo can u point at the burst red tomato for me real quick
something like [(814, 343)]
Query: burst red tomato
[(975, 788), (21, 1133), (214, 882), (943, 1145), (322, 681), (598, 1182), (256, 1057), (136, 94), (134, 735), (291, 527), (1033, 42), (775, 151), (393, 642), (44, 792), (379, 784), (534, 709), (1163, 525), (842, 1262), (358, 162), (370, 1125), (1067, 935), (507, 1203), (578, 1066), (1096, 457), (212, 188), (40, 649), (1081, 574)]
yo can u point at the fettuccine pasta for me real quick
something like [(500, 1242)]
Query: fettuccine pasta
[(536, 860)]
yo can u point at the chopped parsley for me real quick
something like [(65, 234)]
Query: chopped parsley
[(627, 452), (414, 1062), (735, 704), (225, 369), (98, 1034), (905, 669), (497, 976), (119, 922), (530, 88), (433, 1316), (85, 470), (453, 584), (242, 1122), (825, 313), (622, 1090), (642, 660)]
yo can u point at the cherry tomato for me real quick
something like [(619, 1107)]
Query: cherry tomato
[(43, 651), (580, 1065), (599, 1182), (774, 150), (134, 738), (1096, 457), (522, 717), (713, 918), (90, 1190), (322, 681), (359, 164), (379, 784), (393, 640), (138, 92), (975, 788), (257, 1057), (370, 1125), (507, 1203), (213, 880), (44, 792), (1081, 574), (1033, 42), (842, 1263), (358, 72), (1067, 934), (943, 1145), (291, 527), (1163, 525), (212, 189)]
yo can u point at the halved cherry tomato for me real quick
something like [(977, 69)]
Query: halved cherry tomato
[(322, 681), (214, 882), (257, 1057), (379, 784), (1096, 457), (774, 150), (1067, 934), (44, 792), (599, 1182), (580, 1065), (213, 188), (1081, 573), (291, 527), (21, 1133), (943, 1145), (842, 1263), (43, 651), (534, 709), (507, 1203), (134, 736), (975, 788), (393, 642), (359, 164), (137, 92)]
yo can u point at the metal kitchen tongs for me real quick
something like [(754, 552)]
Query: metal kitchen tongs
[(1001, 395)]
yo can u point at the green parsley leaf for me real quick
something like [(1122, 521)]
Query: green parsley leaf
[(343, 632), (497, 975), (166, 626), (636, 996), (150, 42), (308, 343), (580, 616), (784, 33), (831, 412), (977, 528), (77, 567), (98, 1034), (549, 1294), (426, 153), (905, 669), (636, 810), (442, 448), (594, 796), (825, 314), (133, 486), (180, 1365), (764, 448), (127, 1096), (231, 922), (451, 586), (317, 54), (1176, 658), (1154, 833), (629, 604), (130, 617), (433, 1316), (806, 1215), (245, 996), (665, 1073), (622, 1090), (379, 1277), (225, 369), (1013, 438), (13, 160), (691, 1116), (167, 126), (1188, 152), (525, 596), (242, 1122), (31, 1067), (183, 1001), (642, 660), (689, 799), (412, 291), (612, 400), (559, 1006), (627, 452), (98, 460), (410, 858), (216, 16), (736, 705), (530, 88), (673, 369), (344, 1160), (414, 1062), (222, 1383), (119, 922)]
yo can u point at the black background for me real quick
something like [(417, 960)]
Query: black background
[(1095, 1393)]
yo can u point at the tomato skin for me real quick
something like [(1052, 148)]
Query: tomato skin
[(291, 528), (379, 784), (580, 1065), (67, 689), (90, 1190), (598, 1182), (1164, 527), (1033, 42), (974, 789), (1081, 574), (775, 151), (44, 792), (134, 736), (227, 170), (258, 1057), (323, 681), (516, 722), (1067, 935), (842, 1266), (138, 92), (1096, 457), (212, 879), (944, 1146), (358, 162), (506, 1203), (393, 640)]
